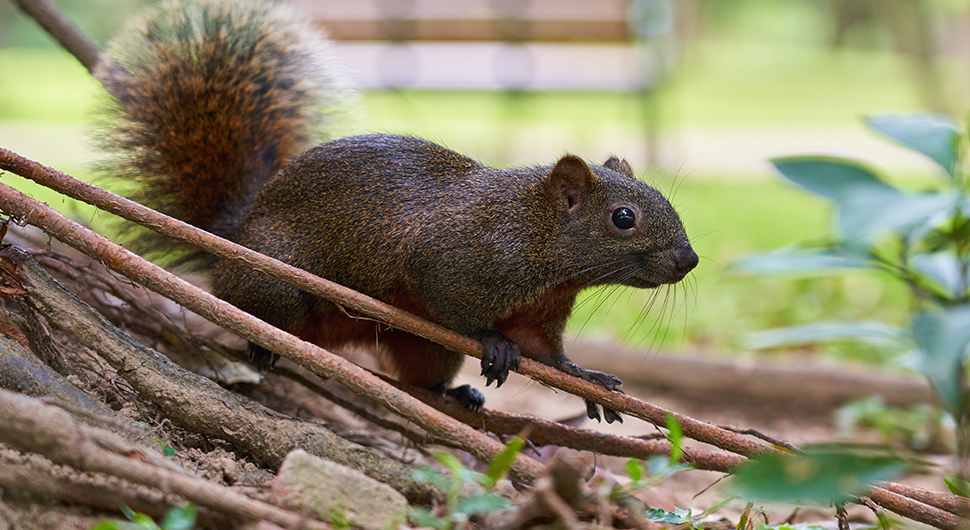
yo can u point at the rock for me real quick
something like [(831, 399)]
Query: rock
[(312, 485)]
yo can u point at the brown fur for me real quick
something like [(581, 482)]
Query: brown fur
[(496, 254)]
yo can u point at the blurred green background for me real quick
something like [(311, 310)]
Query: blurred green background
[(746, 80)]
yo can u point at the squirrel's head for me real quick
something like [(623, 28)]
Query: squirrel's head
[(619, 230)]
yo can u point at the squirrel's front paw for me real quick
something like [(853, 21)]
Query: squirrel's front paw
[(501, 355)]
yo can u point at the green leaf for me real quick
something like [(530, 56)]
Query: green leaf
[(864, 218), (933, 136), (145, 521), (634, 469), (661, 467), (181, 518), (838, 179), (129, 513), (122, 525), (108, 525), (503, 461), (868, 206), (138, 520), (927, 228), (868, 332), (800, 261), (944, 269), (675, 517), (823, 474), (428, 475), (957, 486), (450, 461), (676, 437), (484, 503), (424, 518), (167, 450), (943, 337)]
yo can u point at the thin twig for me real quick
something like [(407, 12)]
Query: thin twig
[(954, 504), (63, 30), (764, 437), (915, 510), (546, 432)]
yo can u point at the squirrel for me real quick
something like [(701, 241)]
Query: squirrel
[(215, 108)]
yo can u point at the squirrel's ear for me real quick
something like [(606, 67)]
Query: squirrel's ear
[(569, 180), (618, 165)]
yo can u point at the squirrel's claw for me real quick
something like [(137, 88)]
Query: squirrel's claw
[(608, 381), (610, 415), (501, 355), (468, 397)]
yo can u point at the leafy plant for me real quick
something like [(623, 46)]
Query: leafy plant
[(821, 474), (957, 486), (658, 467), (921, 239), (677, 517), (460, 507), (919, 427), (181, 518), (167, 450)]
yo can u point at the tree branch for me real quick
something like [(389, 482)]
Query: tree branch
[(63, 31)]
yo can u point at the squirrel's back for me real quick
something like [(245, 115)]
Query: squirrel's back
[(211, 98)]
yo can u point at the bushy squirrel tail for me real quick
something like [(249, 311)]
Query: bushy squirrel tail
[(210, 99)]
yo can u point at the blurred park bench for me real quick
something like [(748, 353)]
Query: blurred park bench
[(512, 46)]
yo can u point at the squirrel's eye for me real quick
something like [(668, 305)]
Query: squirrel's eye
[(624, 218)]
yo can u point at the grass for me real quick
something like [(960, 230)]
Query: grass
[(720, 86)]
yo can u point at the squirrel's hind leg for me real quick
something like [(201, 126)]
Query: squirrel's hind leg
[(422, 363)]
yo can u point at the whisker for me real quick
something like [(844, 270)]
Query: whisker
[(586, 284), (697, 237), (712, 260)]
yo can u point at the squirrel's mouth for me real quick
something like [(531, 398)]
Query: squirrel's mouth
[(641, 283)]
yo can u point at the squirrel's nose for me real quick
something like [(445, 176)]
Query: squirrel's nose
[(686, 259)]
